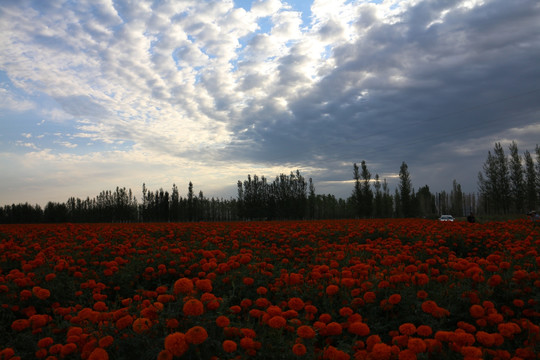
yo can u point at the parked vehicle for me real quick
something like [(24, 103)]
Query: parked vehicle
[(446, 218)]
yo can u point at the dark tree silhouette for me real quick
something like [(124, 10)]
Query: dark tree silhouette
[(405, 191)]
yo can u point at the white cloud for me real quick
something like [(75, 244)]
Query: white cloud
[(66, 144), (12, 102)]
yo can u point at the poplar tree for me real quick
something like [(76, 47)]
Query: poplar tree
[(517, 183), (494, 183), (357, 192), (367, 194), (530, 182), (405, 189), (378, 201)]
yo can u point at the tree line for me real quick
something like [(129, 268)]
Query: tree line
[(510, 184), (506, 185)]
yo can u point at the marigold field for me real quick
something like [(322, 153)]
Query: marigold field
[(355, 289)]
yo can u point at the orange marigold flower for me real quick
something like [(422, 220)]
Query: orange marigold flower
[(261, 290), (394, 299), (333, 328), (99, 354), (471, 352), (183, 285), (495, 318), (306, 332), (476, 311), (442, 335), (40, 354), (381, 351), (420, 279), (100, 306), (347, 282), (172, 324), (295, 303), (416, 345), (508, 329), (20, 324), (45, 342), (332, 290), (229, 346), (176, 343), (485, 338), (400, 340), (262, 302), (250, 333), (325, 318), (38, 321), (140, 325), (222, 321), (372, 340), (41, 293), (369, 296), (74, 331), (358, 328), (495, 280), (429, 306), (346, 311), (299, 349), (407, 329), (273, 310), (433, 345), (7, 353), (332, 353), (424, 330), (204, 285), (124, 322), (277, 322), (247, 343), (165, 355), (196, 335), (68, 349), (319, 326), (246, 303), (463, 338), (193, 307), (407, 354), (105, 341), (236, 309), (466, 326)]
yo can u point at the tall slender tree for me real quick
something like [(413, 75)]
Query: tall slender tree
[(537, 167), (530, 182), (405, 190), (426, 202), (191, 202), (311, 199), (356, 197), (367, 193), (456, 196), (378, 201), (386, 200), (517, 182), (494, 184)]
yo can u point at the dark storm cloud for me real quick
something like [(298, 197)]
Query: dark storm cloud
[(440, 74)]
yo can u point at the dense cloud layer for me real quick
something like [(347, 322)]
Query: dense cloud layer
[(207, 91)]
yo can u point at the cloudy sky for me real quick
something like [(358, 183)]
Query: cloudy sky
[(96, 94)]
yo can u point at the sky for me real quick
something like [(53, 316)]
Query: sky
[(96, 94)]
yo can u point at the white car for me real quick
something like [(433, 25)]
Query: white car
[(446, 218)]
